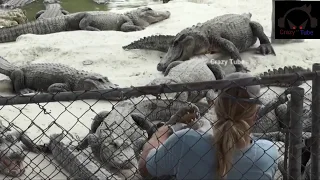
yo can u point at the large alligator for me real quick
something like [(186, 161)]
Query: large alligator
[(114, 137), (134, 20), (201, 68), (77, 163), (53, 9), (12, 4), (12, 144), (230, 33), (52, 77), (194, 70)]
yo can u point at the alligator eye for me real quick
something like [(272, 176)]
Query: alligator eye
[(114, 144), (149, 9), (100, 80)]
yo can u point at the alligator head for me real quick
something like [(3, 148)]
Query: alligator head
[(145, 16), (112, 149), (94, 82), (188, 43), (11, 156)]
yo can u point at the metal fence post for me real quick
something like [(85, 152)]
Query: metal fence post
[(287, 139), (315, 129), (295, 133)]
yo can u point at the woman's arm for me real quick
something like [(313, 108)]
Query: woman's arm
[(155, 141)]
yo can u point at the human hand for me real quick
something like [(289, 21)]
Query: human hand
[(162, 133), (185, 115)]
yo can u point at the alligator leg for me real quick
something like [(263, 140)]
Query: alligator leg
[(65, 12), (17, 77), (145, 124), (90, 139), (211, 95), (170, 66), (265, 45), (216, 69), (97, 120), (38, 14), (231, 49), (142, 122), (26, 141), (58, 87), (129, 26), (85, 22)]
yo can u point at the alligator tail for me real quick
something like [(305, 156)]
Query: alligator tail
[(6, 67), (285, 70), (43, 26), (154, 42)]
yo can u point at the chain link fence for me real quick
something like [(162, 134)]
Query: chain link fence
[(82, 135)]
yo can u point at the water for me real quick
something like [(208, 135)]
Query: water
[(85, 5)]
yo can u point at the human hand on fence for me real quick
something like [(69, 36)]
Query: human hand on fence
[(185, 115), (283, 97)]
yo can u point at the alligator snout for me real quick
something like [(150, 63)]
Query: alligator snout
[(168, 14), (160, 67)]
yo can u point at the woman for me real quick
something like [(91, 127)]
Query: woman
[(231, 154)]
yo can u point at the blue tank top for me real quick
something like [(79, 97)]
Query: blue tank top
[(187, 154)]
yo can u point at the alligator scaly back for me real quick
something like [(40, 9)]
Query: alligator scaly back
[(154, 42), (43, 26), (285, 70)]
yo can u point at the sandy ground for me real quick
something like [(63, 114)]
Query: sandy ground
[(126, 68)]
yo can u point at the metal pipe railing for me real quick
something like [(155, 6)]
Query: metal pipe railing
[(295, 133), (315, 129), (125, 93)]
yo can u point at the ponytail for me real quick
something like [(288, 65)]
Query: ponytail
[(228, 136), (232, 128)]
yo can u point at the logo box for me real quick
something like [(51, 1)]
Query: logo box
[(297, 19)]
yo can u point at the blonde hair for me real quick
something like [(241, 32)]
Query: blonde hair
[(231, 129)]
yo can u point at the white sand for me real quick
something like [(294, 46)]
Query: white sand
[(126, 68)]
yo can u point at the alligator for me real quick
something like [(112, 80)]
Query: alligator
[(223, 33), (11, 149), (201, 68), (77, 163), (116, 139), (194, 70), (12, 17), (53, 9), (52, 77), (134, 20), (12, 4)]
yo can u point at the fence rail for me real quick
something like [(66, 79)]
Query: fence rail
[(118, 132), (125, 93)]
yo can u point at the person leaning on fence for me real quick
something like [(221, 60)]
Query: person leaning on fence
[(188, 154)]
